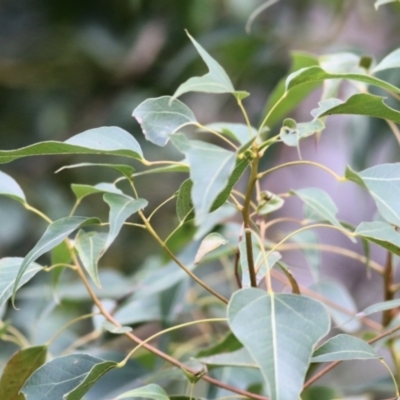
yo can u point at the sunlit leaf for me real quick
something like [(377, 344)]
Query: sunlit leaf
[(55, 233), (383, 183), (18, 369), (162, 116), (123, 169), (151, 391), (66, 378), (208, 244), (282, 354), (10, 188), (110, 327), (344, 347), (105, 140), (215, 81), (82, 191), (9, 268), (211, 167)]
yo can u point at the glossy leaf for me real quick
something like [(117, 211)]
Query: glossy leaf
[(10, 188), (151, 391), (210, 169), (90, 246), (105, 140), (66, 378), (215, 81), (54, 235), (239, 132), (365, 104), (382, 234), (18, 369), (125, 170), (208, 244), (162, 116), (344, 347), (282, 354), (337, 293), (9, 268), (383, 183)]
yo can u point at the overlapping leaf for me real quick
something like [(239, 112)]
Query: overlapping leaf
[(105, 140), (10, 188), (125, 170), (81, 191), (152, 391), (208, 244), (238, 132), (282, 354)]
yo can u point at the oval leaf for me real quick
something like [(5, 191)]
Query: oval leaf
[(151, 391), (162, 116), (110, 327), (208, 244), (281, 338), (10, 188)]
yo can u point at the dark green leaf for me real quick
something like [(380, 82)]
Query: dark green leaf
[(82, 191), (239, 358), (10, 188), (125, 170), (227, 344)]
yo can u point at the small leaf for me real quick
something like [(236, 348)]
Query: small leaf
[(152, 391), (215, 81), (238, 132), (382, 234), (55, 233), (66, 378), (324, 106), (162, 116), (125, 170), (105, 140), (269, 202), (383, 183), (90, 246), (18, 369), (81, 191), (282, 354), (10, 188), (208, 244), (9, 268), (343, 347), (110, 327), (210, 169), (291, 135)]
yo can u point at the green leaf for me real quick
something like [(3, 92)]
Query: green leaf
[(110, 327), (9, 268), (66, 378), (121, 208), (91, 246), (282, 354), (10, 188), (364, 104), (125, 170), (215, 81), (269, 202), (55, 233), (18, 369), (392, 60), (239, 358), (151, 391), (105, 140), (162, 116), (338, 294), (378, 307), (382, 234), (382, 2), (210, 169), (163, 170), (208, 244), (317, 74), (238, 132), (383, 183), (344, 347), (82, 191), (291, 134), (227, 344)]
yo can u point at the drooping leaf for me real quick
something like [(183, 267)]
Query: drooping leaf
[(151, 391), (392, 60), (383, 184), (55, 233), (9, 268), (239, 358), (324, 106), (282, 354), (290, 277), (364, 104), (110, 327), (344, 347), (211, 167), (10, 188), (105, 140), (269, 202), (382, 234), (338, 294), (382, 2), (66, 378), (125, 170), (238, 132), (121, 208), (90, 246), (319, 393), (292, 132), (215, 81), (208, 244), (18, 369), (162, 116), (82, 191)]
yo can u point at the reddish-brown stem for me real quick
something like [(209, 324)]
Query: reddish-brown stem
[(388, 293)]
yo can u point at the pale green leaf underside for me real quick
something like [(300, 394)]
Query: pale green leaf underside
[(152, 391), (10, 188), (344, 347), (261, 320), (162, 116), (9, 268), (238, 132), (392, 60), (110, 327), (105, 140), (382, 2), (208, 244), (292, 136), (378, 307), (66, 378)]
